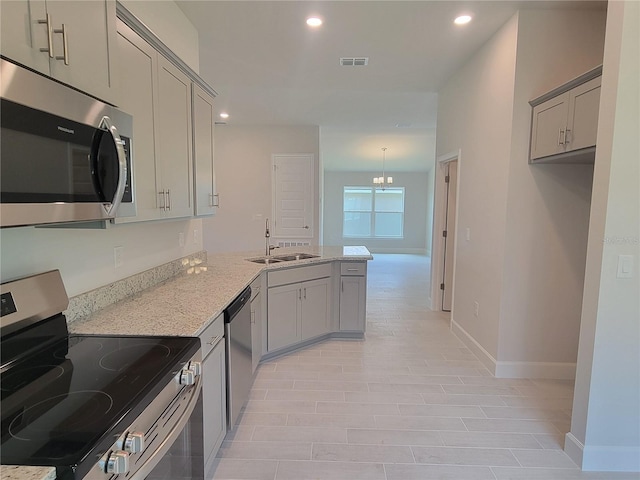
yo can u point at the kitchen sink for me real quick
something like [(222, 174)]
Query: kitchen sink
[(283, 258), (265, 260), (294, 256)]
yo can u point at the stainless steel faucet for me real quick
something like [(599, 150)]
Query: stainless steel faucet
[(267, 234)]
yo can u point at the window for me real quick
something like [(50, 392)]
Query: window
[(373, 212)]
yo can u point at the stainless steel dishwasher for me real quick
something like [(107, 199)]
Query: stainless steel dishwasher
[(237, 329)]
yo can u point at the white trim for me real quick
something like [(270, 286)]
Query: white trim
[(448, 157), (411, 251), (574, 448), (508, 369), (485, 357)]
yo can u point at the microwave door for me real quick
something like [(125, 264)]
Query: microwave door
[(108, 166)]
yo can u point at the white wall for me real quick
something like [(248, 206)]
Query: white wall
[(417, 214), (524, 262), (605, 428), (85, 257), (474, 115), (169, 23), (243, 179), (547, 205)]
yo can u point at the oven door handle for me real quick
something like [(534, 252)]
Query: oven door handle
[(166, 444), (105, 124)]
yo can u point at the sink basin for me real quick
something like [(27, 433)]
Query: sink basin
[(265, 260), (295, 256)]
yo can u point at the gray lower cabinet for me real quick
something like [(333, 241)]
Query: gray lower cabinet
[(256, 324), (298, 310), (214, 397), (353, 296)]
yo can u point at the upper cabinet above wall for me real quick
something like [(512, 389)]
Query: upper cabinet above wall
[(70, 41), (565, 122)]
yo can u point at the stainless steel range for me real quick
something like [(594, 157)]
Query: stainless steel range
[(94, 407)]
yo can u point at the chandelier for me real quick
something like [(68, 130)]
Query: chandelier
[(383, 181)]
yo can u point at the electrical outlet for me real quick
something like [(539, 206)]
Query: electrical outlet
[(476, 308), (181, 239), (195, 236), (118, 257)]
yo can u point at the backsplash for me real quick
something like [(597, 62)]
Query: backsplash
[(94, 300)]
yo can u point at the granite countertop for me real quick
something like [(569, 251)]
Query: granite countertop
[(184, 306), (187, 303)]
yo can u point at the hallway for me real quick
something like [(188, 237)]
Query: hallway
[(409, 402)]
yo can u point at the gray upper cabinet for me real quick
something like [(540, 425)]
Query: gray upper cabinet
[(565, 122), (174, 154), (206, 197), (70, 41)]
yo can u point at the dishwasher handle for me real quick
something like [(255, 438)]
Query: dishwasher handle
[(235, 306)]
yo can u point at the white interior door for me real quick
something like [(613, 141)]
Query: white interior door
[(450, 228), (293, 191)]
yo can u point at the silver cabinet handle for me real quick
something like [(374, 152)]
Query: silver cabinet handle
[(216, 203), (566, 136), (352, 269), (65, 44), (105, 124), (299, 294), (561, 136), (342, 287), (49, 50), (214, 340), (168, 203), (305, 293), (163, 195)]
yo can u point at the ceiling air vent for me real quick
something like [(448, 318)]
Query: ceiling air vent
[(354, 61)]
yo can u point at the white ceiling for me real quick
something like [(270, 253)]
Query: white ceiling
[(270, 68)]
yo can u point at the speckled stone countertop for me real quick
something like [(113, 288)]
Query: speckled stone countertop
[(184, 305), (8, 472), (187, 303)]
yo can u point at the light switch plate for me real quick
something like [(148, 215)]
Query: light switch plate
[(625, 266)]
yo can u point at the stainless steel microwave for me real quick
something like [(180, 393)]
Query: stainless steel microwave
[(64, 156)]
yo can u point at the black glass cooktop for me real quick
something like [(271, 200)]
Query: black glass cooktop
[(59, 400)]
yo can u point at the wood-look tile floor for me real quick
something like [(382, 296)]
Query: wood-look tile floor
[(409, 402)]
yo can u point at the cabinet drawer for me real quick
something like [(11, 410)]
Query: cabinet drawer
[(212, 335), (298, 274), (353, 268)]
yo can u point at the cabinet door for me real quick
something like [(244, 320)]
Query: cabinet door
[(582, 126), (315, 308), (214, 399), (90, 35), (548, 134), (256, 331), (353, 303), (203, 162), (22, 35), (137, 89), (283, 316), (173, 153)]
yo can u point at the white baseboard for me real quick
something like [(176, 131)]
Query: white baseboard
[(509, 369), (574, 448), (602, 459), (412, 251), (485, 357)]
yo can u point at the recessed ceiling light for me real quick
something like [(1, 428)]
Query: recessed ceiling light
[(224, 115), (462, 19), (314, 21)]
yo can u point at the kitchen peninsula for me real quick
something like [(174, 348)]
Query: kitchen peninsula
[(191, 303)]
